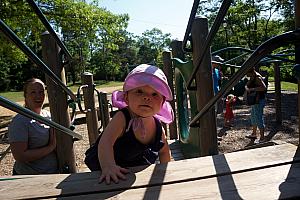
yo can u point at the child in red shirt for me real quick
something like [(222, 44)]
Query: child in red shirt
[(228, 116)]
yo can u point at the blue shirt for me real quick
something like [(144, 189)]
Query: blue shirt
[(216, 78)]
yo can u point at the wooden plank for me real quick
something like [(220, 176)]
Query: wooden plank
[(279, 182), (173, 172)]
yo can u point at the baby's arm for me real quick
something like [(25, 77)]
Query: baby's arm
[(106, 158), (164, 153)]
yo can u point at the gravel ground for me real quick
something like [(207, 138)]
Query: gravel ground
[(230, 140)]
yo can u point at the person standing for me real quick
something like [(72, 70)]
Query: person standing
[(228, 115), (216, 72), (217, 78), (32, 143), (257, 85)]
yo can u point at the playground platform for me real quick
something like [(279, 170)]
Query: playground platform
[(271, 172)]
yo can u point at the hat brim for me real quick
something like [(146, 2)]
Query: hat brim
[(142, 79), (165, 114)]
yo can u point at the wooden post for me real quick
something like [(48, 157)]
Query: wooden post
[(204, 82), (103, 109), (169, 71), (177, 51), (58, 104), (277, 92), (89, 103), (297, 56)]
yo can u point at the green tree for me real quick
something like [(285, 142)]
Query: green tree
[(84, 28), (151, 44)]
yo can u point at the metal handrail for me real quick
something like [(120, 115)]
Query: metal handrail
[(264, 49), (17, 41), (214, 29), (44, 20), (275, 56), (28, 113)]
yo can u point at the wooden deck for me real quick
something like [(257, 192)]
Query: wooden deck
[(264, 173)]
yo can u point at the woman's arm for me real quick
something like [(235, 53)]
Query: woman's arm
[(164, 153), (21, 152), (110, 170)]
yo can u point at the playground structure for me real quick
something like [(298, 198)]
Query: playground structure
[(191, 91)]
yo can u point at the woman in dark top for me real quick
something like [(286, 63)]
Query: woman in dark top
[(257, 85)]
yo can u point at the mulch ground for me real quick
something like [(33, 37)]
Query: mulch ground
[(230, 139)]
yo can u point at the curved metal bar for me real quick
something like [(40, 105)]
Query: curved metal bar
[(237, 57), (100, 108), (214, 29), (28, 113), (48, 27), (16, 40), (72, 104), (233, 49), (263, 50), (276, 56), (79, 99)]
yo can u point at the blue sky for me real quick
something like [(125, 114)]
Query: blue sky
[(170, 16)]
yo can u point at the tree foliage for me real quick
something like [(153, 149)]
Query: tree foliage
[(249, 23), (99, 42)]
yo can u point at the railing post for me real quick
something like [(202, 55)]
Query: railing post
[(208, 130), (103, 109), (89, 104), (277, 92), (177, 51), (58, 104), (169, 71)]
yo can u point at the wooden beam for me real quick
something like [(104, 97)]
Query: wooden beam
[(89, 104), (169, 71), (277, 78), (239, 171), (177, 51), (249, 185), (204, 83), (58, 104)]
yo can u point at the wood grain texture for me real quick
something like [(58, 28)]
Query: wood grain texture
[(205, 175)]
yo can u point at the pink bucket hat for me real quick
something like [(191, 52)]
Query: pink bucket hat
[(152, 76)]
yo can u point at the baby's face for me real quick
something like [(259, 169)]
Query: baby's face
[(144, 101)]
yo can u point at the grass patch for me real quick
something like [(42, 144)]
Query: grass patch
[(18, 96), (99, 84), (13, 96), (289, 86)]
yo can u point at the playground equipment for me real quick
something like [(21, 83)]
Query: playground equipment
[(220, 176)]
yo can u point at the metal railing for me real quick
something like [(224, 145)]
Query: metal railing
[(263, 50), (213, 31)]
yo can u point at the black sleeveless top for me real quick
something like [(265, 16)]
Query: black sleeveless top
[(129, 152), (252, 84)]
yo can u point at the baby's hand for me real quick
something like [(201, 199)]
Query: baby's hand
[(113, 172)]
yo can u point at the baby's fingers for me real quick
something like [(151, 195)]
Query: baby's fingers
[(101, 179), (115, 178), (124, 170)]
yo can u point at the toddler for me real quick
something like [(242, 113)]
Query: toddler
[(135, 135)]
